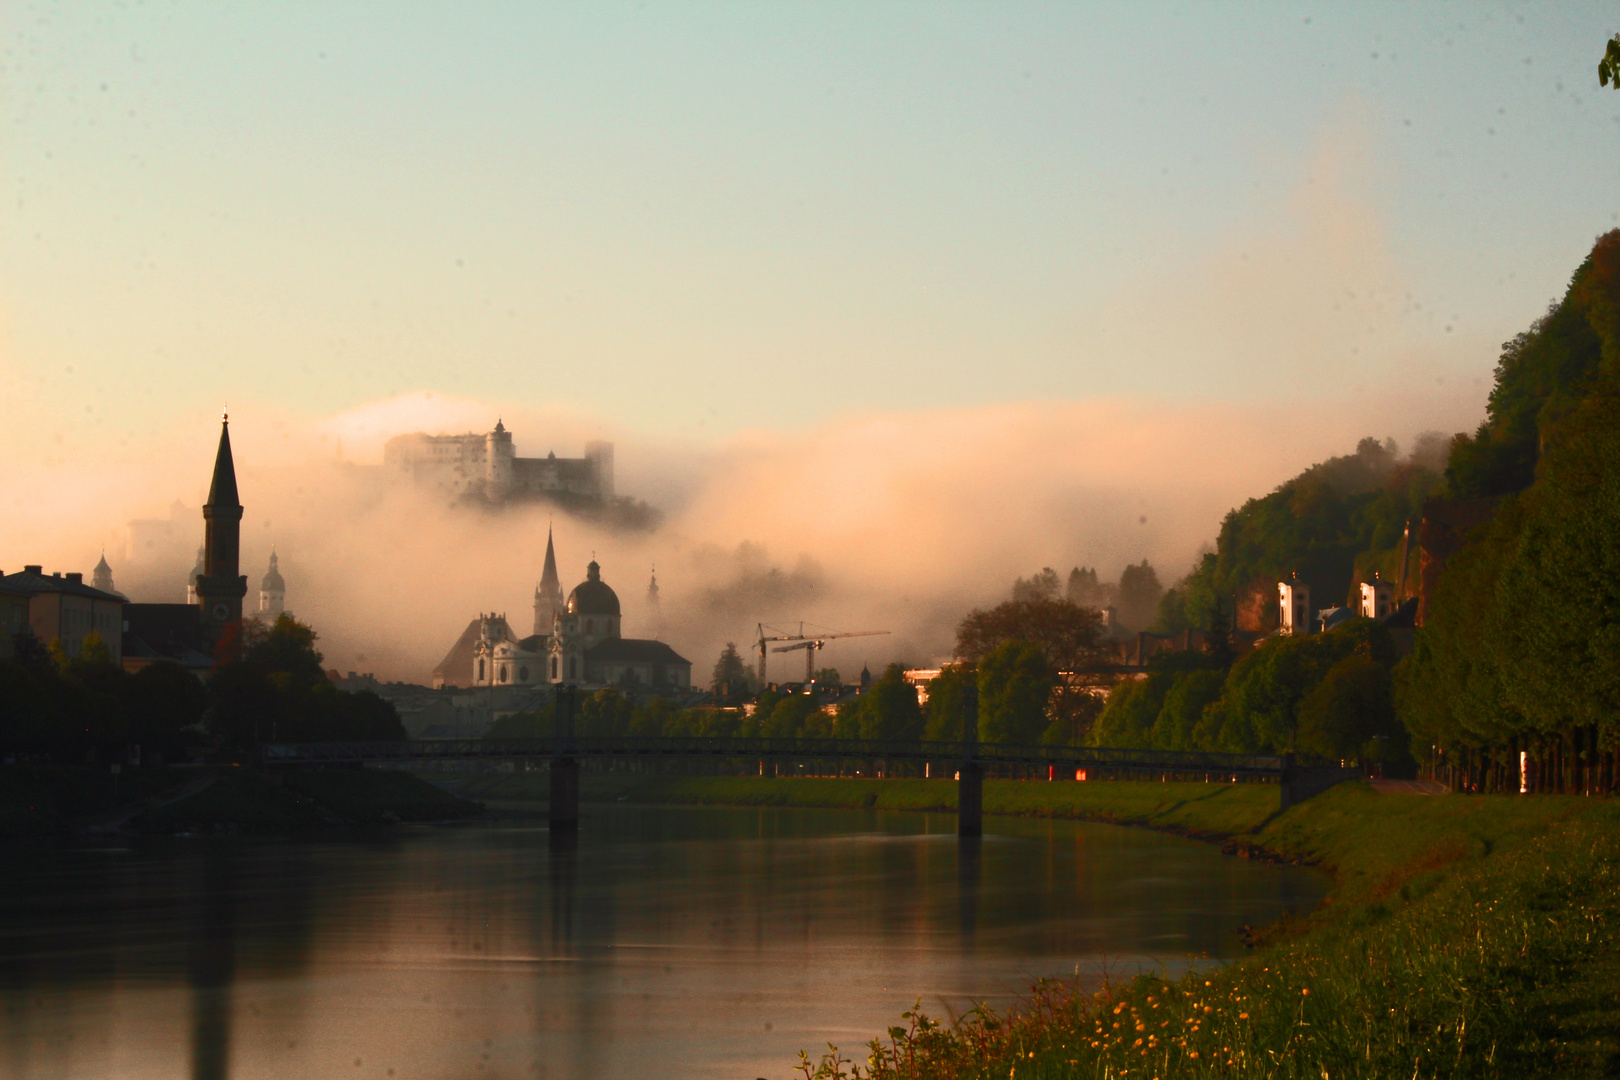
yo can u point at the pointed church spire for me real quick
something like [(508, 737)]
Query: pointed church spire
[(550, 580), (222, 491), (548, 595), (220, 587)]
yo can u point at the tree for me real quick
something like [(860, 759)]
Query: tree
[(1350, 714), (1127, 718), (1556, 618), (93, 650), (730, 672), (1015, 690), (951, 695), (1609, 66), (889, 710), (1172, 615), (1190, 693), (828, 676), (787, 718), (1041, 586), (287, 646), (244, 707), (1071, 642), (1258, 710), (1084, 589), (1139, 593)]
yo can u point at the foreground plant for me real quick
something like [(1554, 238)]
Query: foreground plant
[(1496, 966)]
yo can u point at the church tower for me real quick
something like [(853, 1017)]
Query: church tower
[(220, 588), (548, 597), (272, 591), (103, 576), (655, 614)]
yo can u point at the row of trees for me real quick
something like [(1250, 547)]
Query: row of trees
[(267, 684), (1327, 695), (1520, 648), (1135, 597)]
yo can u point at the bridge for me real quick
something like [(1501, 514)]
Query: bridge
[(969, 759)]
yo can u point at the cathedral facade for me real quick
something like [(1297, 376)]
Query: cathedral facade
[(577, 640)]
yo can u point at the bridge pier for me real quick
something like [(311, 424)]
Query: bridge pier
[(564, 793), (970, 800), (564, 816)]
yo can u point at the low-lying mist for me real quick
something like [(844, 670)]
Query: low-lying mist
[(897, 522)]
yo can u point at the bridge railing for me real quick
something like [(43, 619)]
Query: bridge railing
[(776, 749)]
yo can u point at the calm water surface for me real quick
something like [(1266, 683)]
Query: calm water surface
[(671, 942)]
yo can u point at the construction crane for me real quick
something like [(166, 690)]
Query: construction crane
[(810, 643)]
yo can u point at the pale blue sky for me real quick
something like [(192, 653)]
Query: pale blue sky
[(689, 220)]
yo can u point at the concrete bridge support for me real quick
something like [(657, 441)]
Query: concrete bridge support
[(564, 768), (970, 800), (564, 793), (970, 777)]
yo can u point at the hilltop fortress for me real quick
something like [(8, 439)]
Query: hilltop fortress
[(486, 468)]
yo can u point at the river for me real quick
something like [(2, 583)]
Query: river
[(669, 942)]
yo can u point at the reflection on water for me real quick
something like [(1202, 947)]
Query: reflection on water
[(668, 942)]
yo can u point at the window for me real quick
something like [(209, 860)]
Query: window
[(503, 673), (553, 667), (480, 670), (523, 674), (573, 668), (590, 626)]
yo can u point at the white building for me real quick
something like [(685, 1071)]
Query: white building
[(1293, 606), (1377, 598)]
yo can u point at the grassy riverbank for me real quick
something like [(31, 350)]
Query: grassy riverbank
[(1463, 936)]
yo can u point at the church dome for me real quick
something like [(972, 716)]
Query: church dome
[(593, 596), (272, 581)]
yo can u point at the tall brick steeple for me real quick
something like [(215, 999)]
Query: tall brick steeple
[(220, 587)]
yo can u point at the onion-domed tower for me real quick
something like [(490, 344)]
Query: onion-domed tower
[(590, 615), (272, 591)]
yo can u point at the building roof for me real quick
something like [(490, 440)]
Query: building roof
[(456, 669), (633, 651), (222, 490), (1333, 616), (32, 580), (593, 596), (1404, 617)]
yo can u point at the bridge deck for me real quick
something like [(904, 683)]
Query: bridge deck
[(777, 750)]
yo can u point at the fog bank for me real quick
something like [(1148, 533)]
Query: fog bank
[(887, 521)]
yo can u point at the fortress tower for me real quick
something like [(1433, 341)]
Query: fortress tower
[(221, 587), (498, 456)]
